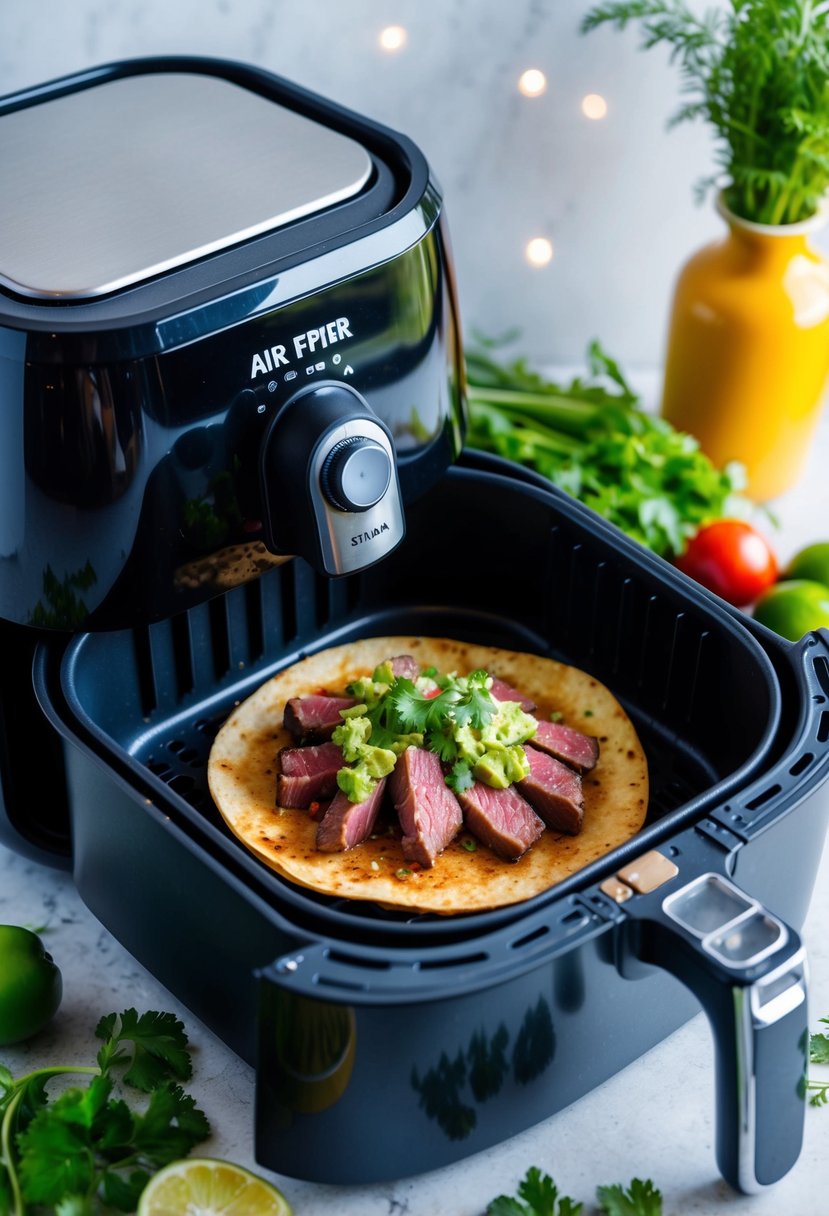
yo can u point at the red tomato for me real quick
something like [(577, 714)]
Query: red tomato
[(732, 559)]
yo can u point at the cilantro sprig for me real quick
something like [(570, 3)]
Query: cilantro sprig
[(640, 1199), (89, 1149), (819, 1054), (539, 1196)]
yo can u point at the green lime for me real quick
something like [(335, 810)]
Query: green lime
[(793, 607), (811, 562)]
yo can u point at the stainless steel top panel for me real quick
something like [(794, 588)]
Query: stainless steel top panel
[(110, 185)]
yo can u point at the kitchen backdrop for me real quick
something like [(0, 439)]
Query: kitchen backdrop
[(585, 168)]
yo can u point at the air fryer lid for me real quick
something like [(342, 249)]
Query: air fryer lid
[(106, 186)]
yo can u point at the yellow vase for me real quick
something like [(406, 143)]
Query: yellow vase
[(748, 349)]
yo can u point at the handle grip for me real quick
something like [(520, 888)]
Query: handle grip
[(749, 972)]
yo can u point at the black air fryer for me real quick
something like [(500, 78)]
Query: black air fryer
[(232, 401)]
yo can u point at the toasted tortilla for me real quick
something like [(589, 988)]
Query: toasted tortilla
[(242, 771)]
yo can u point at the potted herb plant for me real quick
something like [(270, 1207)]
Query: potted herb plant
[(748, 339)]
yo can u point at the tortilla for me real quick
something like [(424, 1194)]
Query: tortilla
[(242, 771)]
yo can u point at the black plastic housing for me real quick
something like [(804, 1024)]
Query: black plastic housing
[(133, 423)]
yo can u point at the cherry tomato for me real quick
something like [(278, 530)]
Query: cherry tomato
[(732, 559)]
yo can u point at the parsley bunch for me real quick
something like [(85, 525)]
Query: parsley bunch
[(592, 439), (88, 1149), (756, 71)]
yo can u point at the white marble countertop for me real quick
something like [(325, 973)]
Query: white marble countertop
[(653, 1120)]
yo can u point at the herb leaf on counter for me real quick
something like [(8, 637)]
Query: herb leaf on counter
[(592, 439), (640, 1199), (541, 1198), (819, 1054)]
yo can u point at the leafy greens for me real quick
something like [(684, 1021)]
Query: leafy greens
[(592, 439), (88, 1149)]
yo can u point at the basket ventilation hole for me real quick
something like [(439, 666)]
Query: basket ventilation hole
[(823, 727), (466, 960), (348, 960), (529, 938), (801, 764), (766, 795)]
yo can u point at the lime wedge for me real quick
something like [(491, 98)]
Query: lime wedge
[(207, 1186)]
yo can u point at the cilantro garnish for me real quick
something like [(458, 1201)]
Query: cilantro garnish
[(89, 1148), (460, 777), (456, 717)]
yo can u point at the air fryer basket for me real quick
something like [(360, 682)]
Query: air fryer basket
[(491, 558)]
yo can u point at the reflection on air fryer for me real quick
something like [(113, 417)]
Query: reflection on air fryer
[(479, 1071), (316, 1046)]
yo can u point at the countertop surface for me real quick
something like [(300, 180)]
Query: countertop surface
[(655, 1119)]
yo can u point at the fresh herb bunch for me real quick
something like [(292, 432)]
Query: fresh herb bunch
[(86, 1150), (592, 439), (756, 71)]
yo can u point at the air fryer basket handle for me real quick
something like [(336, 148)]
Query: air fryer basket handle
[(749, 972)]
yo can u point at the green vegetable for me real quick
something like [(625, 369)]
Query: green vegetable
[(30, 984), (86, 1150), (756, 72), (591, 439), (641, 1199), (819, 1054), (454, 716), (541, 1198)]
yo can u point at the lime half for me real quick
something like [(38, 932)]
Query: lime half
[(207, 1186)]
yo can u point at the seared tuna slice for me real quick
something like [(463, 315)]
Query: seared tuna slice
[(500, 819), (566, 743), (346, 823), (314, 717), (307, 774), (405, 667), (430, 814), (501, 691), (554, 790)]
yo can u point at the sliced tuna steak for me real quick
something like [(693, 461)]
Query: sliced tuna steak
[(405, 667), (314, 717), (566, 743), (554, 791), (501, 819), (307, 774), (346, 823), (501, 691), (429, 813)]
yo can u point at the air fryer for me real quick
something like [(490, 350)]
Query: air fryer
[(234, 413)]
